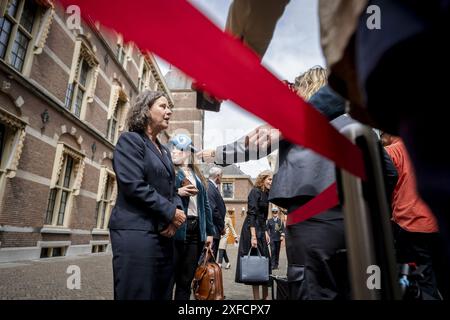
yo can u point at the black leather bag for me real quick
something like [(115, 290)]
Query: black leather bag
[(254, 269)]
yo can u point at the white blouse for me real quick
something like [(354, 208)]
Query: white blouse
[(192, 208)]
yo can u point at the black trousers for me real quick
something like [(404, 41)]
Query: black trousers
[(275, 253), (317, 267), (223, 256), (215, 247), (142, 265), (186, 254)]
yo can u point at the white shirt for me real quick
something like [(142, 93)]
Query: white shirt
[(192, 208), (217, 186)]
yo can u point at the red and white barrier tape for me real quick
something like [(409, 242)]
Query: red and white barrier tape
[(179, 33)]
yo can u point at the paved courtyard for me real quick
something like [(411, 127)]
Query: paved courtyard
[(47, 279)]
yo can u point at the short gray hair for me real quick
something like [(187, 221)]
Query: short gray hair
[(215, 172), (138, 119)]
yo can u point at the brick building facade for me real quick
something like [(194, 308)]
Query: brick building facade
[(187, 118), (64, 96)]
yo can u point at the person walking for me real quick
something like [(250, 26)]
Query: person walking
[(224, 241)]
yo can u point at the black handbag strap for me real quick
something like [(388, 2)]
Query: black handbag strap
[(250, 251)]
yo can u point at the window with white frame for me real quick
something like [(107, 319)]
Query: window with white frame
[(76, 91), (146, 79), (120, 52), (17, 27), (124, 52), (52, 252), (228, 190), (65, 185), (112, 130), (118, 107), (12, 137), (106, 198), (82, 80)]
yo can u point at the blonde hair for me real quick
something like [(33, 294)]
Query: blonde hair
[(261, 178), (310, 82)]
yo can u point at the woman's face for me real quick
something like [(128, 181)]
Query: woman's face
[(268, 182), (160, 114), (179, 157)]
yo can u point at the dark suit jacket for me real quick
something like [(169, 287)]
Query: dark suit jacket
[(218, 209), (275, 229), (147, 198), (205, 220)]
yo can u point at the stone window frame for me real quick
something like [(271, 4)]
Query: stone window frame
[(123, 52), (119, 104), (146, 78), (12, 147), (106, 198), (36, 37), (120, 50), (84, 53), (63, 152), (233, 189)]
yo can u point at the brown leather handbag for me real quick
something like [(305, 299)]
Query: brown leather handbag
[(208, 283)]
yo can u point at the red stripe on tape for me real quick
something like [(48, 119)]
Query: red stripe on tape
[(324, 201), (179, 33)]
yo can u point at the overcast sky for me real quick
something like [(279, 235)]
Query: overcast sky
[(295, 48)]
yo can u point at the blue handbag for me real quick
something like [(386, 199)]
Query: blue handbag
[(254, 269)]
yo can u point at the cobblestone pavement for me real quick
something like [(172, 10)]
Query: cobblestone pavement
[(47, 279)]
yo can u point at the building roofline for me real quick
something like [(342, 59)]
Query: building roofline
[(249, 178), (161, 78)]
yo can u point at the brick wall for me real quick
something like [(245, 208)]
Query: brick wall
[(24, 202), (16, 239)]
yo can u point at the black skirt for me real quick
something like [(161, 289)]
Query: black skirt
[(245, 245)]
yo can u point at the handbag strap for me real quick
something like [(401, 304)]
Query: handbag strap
[(250, 251), (208, 254)]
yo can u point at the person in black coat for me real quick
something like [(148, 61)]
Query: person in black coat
[(217, 205), (275, 227), (148, 209), (254, 230)]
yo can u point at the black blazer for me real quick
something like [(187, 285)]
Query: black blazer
[(147, 198), (275, 229), (218, 209)]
